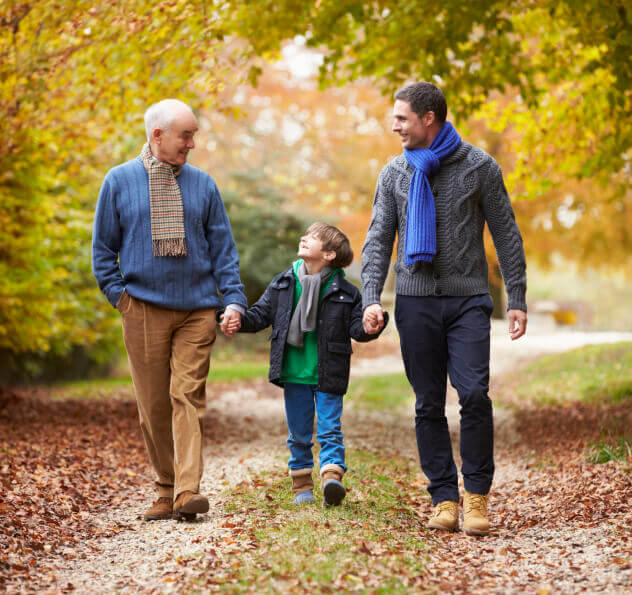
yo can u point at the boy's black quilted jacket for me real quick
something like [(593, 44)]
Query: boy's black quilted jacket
[(339, 320)]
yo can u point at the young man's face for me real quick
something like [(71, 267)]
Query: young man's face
[(173, 145), (310, 248), (413, 131)]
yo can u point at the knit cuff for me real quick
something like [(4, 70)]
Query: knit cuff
[(370, 295), (516, 299)]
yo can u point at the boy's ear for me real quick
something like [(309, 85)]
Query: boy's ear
[(330, 255)]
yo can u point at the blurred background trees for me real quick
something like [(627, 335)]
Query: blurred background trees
[(543, 86), (75, 78)]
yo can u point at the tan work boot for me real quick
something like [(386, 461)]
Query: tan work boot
[(302, 485), (445, 517), (188, 504), (160, 510), (475, 518)]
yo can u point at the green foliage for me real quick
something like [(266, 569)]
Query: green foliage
[(594, 374), (74, 79), (609, 448), (265, 231), (382, 392), (566, 64)]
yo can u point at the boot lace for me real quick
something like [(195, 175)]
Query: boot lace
[(445, 506), (477, 502)]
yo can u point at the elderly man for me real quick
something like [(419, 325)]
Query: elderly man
[(162, 247), (437, 197)]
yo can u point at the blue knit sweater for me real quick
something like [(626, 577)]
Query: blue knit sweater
[(122, 255)]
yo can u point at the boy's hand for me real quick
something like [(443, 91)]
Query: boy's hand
[(373, 319), (230, 322)]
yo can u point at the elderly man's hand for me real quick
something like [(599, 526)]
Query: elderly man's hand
[(373, 319), (231, 322), (517, 323)]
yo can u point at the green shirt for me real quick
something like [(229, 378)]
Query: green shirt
[(300, 364)]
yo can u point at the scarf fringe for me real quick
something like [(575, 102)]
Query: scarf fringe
[(170, 247)]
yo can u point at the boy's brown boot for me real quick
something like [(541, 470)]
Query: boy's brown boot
[(160, 510), (331, 484), (302, 485), (445, 517), (188, 504), (475, 518)]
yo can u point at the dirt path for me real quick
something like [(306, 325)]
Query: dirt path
[(246, 434)]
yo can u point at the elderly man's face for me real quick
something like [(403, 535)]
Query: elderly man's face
[(173, 145)]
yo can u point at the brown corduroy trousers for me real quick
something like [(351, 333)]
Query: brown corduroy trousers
[(169, 355)]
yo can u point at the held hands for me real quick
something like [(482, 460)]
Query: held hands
[(373, 319), (230, 322), (517, 323)]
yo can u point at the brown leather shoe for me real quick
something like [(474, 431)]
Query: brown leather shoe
[(160, 510), (188, 504)]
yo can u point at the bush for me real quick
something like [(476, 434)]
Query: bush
[(265, 232)]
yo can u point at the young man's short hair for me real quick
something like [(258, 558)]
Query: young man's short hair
[(424, 97), (333, 241)]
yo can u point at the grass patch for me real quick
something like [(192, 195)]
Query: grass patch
[(97, 388), (232, 360), (221, 372), (593, 374), (373, 541), (236, 371), (609, 448), (388, 391)]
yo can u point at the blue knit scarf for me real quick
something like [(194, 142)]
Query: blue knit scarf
[(421, 232)]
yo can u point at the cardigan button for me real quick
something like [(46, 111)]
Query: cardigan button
[(438, 291)]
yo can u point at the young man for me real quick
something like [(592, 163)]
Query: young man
[(437, 196), (161, 248), (314, 313)]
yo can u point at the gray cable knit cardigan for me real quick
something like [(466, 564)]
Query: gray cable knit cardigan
[(468, 191)]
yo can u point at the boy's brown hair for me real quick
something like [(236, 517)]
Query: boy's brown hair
[(333, 241)]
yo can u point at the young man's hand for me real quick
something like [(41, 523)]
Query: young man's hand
[(230, 322), (517, 323), (373, 319)]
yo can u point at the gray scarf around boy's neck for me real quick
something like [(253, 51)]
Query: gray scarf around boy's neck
[(304, 317)]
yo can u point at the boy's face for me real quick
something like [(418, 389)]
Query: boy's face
[(311, 248)]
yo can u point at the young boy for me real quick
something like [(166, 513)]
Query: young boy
[(314, 313)]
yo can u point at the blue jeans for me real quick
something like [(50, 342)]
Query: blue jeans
[(443, 336), (301, 401)]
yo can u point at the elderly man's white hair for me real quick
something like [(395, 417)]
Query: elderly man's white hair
[(161, 114)]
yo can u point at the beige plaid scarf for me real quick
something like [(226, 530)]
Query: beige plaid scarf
[(165, 206)]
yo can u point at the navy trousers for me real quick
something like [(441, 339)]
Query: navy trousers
[(443, 336)]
